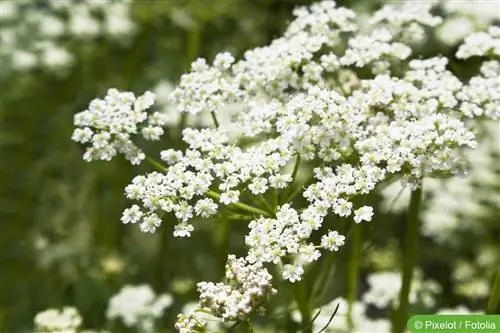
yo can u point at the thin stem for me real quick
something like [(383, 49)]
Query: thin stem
[(154, 163), (331, 318), (262, 199), (294, 176), (494, 299), (353, 273), (240, 205), (296, 167), (214, 118), (410, 252)]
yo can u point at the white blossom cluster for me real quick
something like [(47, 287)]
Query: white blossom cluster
[(303, 99), (461, 18), (408, 20), (109, 124), (247, 288), (33, 35), (384, 289), (444, 217), (190, 323), (481, 44), (270, 240), (66, 320), (138, 306)]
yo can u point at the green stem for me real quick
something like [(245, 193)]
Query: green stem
[(353, 273), (214, 118), (410, 252), (300, 294), (240, 205), (154, 163), (494, 299), (294, 175)]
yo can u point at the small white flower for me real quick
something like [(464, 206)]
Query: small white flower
[(132, 214), (279, 180), (150, 223), (292, 273), (205, 207), (183, 230), (308, 253), (332, 241), (229, 197), (258, 186), (364, 213)]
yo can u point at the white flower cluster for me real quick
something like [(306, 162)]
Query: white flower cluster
[(66, 320), (444, 217), (190, 323), (192, 174), (138, 306), (109, 124), (464, 17), (270, 240), (481, 44), (305, 99), (247, 288), (33, 34), (461, 18), (407, 20), (481, 96), (384, 289)]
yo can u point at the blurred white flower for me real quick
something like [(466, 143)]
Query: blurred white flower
[(138, 306), (66, 320)]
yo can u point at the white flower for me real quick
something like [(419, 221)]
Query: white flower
[(292, 273), (53, 320), (258, 186), (364, 213), (150, 223), (205, 207), (308, 253), (183, 230), (332, 241), (279, 180), (138, 306), (132, 214), (229, 197)]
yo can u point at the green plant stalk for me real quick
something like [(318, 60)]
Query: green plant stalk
[(300, 294), (494, 299), (154, 163), (214, 119), (410, 252), (353, 273), (240, 205), (294, 176)]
